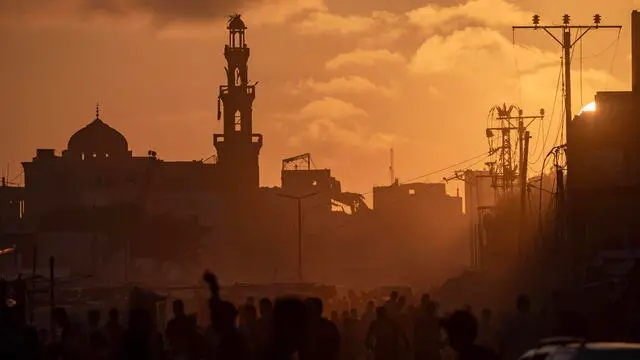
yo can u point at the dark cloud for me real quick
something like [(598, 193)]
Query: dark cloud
[(168, 10), (396, 6), (162, 10)]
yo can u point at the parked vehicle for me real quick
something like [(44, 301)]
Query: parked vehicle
[(566, 348)]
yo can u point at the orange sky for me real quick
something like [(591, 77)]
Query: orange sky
[(339, 79)]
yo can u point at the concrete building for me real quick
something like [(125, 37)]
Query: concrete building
[(604, 174)]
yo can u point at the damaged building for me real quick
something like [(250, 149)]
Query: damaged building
[(130, 218)]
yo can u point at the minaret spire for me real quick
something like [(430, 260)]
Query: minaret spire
[(238, 147), (97, 111)]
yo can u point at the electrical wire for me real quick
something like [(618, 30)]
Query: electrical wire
[(553, 109), (430, 173), (581, 77), (350, 221), (551, 152), (540, 131), (614, 42), (484, 155), (560, 131), (613, 58), (515, 60)]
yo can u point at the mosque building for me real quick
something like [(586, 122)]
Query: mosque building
[(95, 207)]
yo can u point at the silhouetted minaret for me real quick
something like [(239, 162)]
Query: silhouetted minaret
[(238, 148)]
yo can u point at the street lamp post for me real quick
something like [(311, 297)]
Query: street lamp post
[(299, 201)]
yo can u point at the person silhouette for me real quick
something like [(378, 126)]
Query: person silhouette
[(385, 337), (264, 325), (114, 332), (426, 332), (462, 329), (487, 335), (520, 332), (249, 330), (98, 340), (138, 339), (392, 304), (178, 330), (223, 323), (289, 329), (322, 338)]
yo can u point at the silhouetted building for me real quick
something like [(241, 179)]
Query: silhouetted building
[(98, 170), (417, 199), (417, 224), (122, 214), (238, 148), (604, 175)]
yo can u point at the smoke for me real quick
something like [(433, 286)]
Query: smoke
[(161, 10)]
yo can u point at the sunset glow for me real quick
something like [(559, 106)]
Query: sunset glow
[(590, 107)]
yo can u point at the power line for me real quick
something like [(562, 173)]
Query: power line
[(484, 155), (351, 222), (553, 109)]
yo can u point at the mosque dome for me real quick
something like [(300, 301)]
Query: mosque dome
[(98, 140), (236, 23)]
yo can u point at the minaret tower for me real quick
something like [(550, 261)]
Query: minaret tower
[(238, 147)]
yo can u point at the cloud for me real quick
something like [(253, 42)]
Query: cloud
[(477, 49), (259, 13), (347, 84), (478, 12), (330, 108), (162, 12), (381, 38), (364, 58), (334, 121), (324, 22), (169, 10), (279, 11)]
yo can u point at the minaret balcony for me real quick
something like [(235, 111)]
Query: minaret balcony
[(248, 90)]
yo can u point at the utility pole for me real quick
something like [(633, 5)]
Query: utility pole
[(392, 170), (299, 201), (504, 122), (524, 164), (505, 174), (567, 45)]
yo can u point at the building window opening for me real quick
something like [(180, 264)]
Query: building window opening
[(412, 191), (237, 121), (106, 155), (235, 40), (82, 156), (238, 77), (95, 155), (314, 183)]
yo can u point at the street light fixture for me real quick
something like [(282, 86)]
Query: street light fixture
[(299, 200)]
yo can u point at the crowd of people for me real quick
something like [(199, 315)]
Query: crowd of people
[(290, 328)]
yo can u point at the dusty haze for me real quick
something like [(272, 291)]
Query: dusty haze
[(343, 79)]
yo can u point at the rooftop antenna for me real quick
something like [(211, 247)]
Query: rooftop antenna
[(392, 173)]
